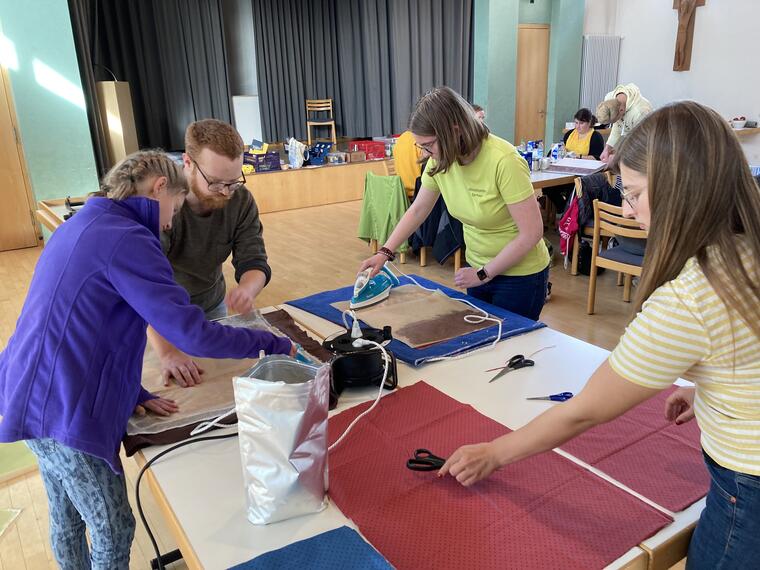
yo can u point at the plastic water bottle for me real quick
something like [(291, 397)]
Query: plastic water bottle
[(555, 152), (539, 151)]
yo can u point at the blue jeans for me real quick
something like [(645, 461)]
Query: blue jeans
[(83, 491), (523, 294), (728, 532), (218, 312)]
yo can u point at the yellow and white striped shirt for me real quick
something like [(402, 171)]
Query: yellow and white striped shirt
[(685, 330)]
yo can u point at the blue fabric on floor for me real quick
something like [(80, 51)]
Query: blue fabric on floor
[(512, 325), (340, 548)]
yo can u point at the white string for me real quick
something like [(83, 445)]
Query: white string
[(472, 319), (386, 360), (205, 426)]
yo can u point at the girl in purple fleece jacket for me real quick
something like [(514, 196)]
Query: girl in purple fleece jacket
[(70, 375)]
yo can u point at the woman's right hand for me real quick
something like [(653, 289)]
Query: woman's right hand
[(679, 407), (375, 262)]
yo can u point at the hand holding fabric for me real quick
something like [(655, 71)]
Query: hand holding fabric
[(178, 365), (159, 406), (240, 300)]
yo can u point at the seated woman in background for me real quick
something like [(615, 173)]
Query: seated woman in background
[(583, 140), (686, 180)]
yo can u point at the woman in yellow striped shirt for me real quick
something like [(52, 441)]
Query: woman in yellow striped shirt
[(686, 180)]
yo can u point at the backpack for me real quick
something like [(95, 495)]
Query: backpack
[(568, 226)]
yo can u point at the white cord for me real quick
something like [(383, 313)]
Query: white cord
[(472, 319), (386, 359), (205, 426)]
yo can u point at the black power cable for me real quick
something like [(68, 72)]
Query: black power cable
[(159, 559)]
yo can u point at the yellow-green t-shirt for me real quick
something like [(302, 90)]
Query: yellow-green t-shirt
[(478, 193)]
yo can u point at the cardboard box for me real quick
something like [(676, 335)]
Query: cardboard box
[(357, 156)]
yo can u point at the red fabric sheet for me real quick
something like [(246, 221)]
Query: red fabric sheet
[(538, 513), (649, 454)]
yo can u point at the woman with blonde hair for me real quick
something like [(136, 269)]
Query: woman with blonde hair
[(485, 184), (686, 180), (70, 374)]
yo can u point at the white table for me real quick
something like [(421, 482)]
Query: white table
[(541, 179), (200, 487)]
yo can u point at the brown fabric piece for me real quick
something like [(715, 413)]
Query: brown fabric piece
[(222, 370), (419, 318)]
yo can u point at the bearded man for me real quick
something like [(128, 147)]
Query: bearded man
[(219, 218)]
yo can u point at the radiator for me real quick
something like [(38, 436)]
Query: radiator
[(599, 68)]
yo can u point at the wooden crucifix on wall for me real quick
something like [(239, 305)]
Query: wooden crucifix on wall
[(687, 12)]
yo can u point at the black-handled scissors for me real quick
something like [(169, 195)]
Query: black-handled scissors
[(424, 460), (515, 363)]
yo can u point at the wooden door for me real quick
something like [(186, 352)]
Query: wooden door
[(532, 82), (18, 227)]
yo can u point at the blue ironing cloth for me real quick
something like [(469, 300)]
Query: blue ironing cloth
[(340, 548), (512, 324)]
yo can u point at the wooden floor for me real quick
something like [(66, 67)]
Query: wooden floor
[(310, 250)]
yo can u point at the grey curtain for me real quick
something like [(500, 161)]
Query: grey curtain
[(374, 58), (172, 53), (82, 13)]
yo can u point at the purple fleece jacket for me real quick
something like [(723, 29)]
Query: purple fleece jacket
[(72, 369)]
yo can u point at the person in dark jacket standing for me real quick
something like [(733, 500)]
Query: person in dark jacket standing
[(219, 218), (70, 374)]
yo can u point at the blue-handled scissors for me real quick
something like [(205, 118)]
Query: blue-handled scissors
[(515, 363), (561, 397), (424, 460)]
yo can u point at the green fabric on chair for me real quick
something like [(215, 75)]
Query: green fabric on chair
[(384, 202)]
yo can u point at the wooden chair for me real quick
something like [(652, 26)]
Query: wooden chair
[(320, 106), (610, 218), (390, 170), (585, 231)]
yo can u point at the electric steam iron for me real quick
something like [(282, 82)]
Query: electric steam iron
[(368, 291)]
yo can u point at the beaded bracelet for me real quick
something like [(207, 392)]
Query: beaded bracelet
[(387, 253)]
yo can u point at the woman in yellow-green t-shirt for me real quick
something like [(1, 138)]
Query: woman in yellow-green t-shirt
[(686, 180), (486, 185)]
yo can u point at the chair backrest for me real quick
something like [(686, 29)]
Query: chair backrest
[(319, 105), (610, 218)]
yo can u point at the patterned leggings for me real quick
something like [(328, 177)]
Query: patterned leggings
[(83, 491)]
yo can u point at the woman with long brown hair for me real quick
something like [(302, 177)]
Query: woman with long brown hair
[(686, 180), (485, 184)]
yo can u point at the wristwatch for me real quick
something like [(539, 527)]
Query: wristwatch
[(482, 274)]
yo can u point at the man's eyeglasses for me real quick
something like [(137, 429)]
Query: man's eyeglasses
[(427, 147), (220, 187), (632, 199)]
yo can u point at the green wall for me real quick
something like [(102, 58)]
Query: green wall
[(565, 52), (539, 12), (495, 59), (38, 50)]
